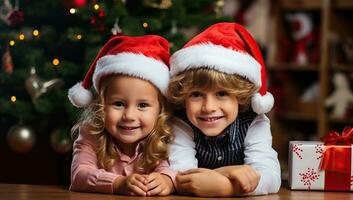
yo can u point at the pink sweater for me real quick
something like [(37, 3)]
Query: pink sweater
[(86, 176)]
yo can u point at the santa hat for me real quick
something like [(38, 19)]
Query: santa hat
[(228, 48), (145, 57)]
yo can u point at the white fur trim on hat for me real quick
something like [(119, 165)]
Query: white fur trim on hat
[(262, 104), (133, 64), (79, 96), (219, 58)]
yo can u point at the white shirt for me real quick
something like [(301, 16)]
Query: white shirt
[(258, 153)]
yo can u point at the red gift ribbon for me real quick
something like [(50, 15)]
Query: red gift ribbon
[(336, 160), (334, 138)]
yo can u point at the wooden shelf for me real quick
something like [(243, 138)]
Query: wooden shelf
[(341, 121), (296, 116), (343, 4), (294, 67), (301, 4), (342, 67)]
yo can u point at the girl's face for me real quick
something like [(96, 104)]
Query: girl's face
[(131, 109), (211, 110)]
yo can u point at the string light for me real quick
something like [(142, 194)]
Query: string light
[(35, 33), (145, 25), (79, 36), (12, 42), (21, 36), (72, 10), (13, 99), (96, 6), (56, 61)]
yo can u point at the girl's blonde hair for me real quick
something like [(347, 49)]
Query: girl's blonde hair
[(154, 146), (205, 78)]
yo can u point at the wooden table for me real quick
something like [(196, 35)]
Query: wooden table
[(37, 192)]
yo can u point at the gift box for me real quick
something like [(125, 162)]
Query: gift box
[(325, 165)]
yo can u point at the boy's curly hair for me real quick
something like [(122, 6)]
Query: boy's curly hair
[(205, 78), (154, 146)]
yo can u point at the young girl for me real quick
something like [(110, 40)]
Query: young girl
[(124, 133), (215, 76)]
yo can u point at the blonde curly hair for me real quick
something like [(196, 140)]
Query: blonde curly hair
[(154, 146), (205, 78)]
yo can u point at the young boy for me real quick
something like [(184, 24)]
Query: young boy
[(215, 76)]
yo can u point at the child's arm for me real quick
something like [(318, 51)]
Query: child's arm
[(85, 174), (205, 183), (243, 177), (260, 155), (182, 154)]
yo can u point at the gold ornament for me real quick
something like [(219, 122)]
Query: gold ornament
[(21, 139), (219, 7), (36, 86), (60, 141), (160, 4)]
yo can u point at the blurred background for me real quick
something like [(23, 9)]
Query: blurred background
[(47, 46)]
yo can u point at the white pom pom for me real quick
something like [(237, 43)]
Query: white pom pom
[(262, 104), (79, 96)]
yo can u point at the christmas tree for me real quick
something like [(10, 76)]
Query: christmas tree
[(47, 46)]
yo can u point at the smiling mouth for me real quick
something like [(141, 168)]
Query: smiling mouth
[(128, 128), (210, 119)]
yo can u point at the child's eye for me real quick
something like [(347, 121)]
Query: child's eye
[(222, 93), (118, 104), (143, 105), (195, 94)]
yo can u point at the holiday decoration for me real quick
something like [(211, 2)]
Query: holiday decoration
[(160, 4), (35, 86), (174, 29), (341, 98), (305, 47), (7, 64), (311, 93), (116, 30), (10, 14), (21, 138), (218, 8), (60, 141), (348, 49), (323, 165)]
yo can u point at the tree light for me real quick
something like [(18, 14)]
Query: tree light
[(96, 6), (13, 99), (72, 10), (56, 62), (12, 42), (21, 36), (78, 36), (145, 25), (35, 32)]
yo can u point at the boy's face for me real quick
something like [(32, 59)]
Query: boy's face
[(212, 110)]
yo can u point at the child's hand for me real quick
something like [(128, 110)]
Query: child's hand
[(244, 178), (131, 185), (158, 184), (204, 183)]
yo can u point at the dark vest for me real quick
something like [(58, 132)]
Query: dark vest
[(226, 148)]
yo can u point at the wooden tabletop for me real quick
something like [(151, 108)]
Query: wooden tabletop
[(45, 192)]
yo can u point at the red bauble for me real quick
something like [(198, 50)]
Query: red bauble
[(74, 3)]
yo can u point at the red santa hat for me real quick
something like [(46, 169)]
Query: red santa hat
[(145, 57), (228, 48)]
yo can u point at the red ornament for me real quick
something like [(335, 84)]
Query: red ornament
[(16, 18), (101, 13), (79, 3)]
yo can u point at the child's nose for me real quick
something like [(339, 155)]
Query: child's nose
[(129, 114), (209, 105)]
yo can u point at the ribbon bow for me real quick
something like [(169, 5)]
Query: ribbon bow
[(334, 138)]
